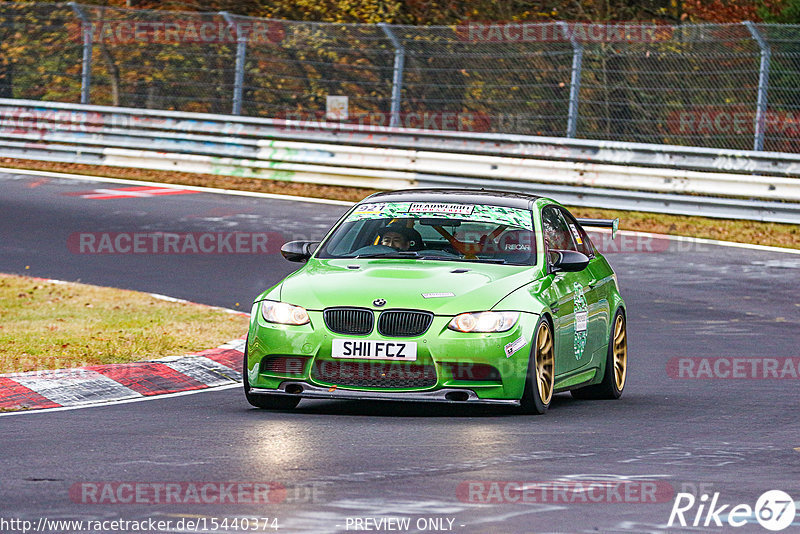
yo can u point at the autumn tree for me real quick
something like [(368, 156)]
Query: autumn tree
[(780, 12)]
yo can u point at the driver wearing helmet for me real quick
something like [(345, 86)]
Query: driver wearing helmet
[(400, 237)]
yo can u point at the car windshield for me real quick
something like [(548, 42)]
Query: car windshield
[(435, 231)]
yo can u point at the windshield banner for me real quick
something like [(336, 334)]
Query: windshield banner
[(515, 217)]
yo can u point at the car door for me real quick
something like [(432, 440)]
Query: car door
[(597, 306), (566, 295)]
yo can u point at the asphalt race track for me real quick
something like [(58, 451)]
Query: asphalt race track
[(345, 466)]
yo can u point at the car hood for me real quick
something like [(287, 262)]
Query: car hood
[(402, 284)]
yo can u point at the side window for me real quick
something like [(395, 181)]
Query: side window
[(355, 234), (581, 239), (557, 234)]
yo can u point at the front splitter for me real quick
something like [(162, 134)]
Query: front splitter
[(447, 396)]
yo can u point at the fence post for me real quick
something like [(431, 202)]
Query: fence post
[(241, 51), (763, 84), (575, 80), (397, 77), (86, 63)]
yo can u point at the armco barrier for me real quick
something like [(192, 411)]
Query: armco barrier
[(660, 178)]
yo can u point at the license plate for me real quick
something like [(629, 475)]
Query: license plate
[(401, 351)]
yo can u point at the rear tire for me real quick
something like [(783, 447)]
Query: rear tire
[(540, 379), (265, 401), (616, 371)]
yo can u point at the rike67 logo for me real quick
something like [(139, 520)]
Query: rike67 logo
[(774, 510)]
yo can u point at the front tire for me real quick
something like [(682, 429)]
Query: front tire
[(265, 402), (540, 380), (616, 371)]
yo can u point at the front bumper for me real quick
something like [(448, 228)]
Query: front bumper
[(438, 348), (444, 395)]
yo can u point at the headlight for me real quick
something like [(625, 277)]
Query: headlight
[(484, 321), (282, 313)]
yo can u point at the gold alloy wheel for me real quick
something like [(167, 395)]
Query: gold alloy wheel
[(544, 363), (620, 352)]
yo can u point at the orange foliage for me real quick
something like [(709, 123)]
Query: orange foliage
[(727, 10)]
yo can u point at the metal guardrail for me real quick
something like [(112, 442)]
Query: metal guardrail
[(731, 85), (659, 178)]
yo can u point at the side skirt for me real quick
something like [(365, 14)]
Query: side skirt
[(576, 380)]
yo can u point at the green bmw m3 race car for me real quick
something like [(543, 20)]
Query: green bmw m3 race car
[(437, 295)]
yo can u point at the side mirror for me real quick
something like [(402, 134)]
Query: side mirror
[(568, 261), (298, 251)]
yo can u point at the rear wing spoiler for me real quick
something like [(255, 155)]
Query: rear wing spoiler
[(601, 223)]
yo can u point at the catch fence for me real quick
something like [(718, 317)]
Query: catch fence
[(708, 85)]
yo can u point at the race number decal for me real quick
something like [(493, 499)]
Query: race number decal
[(576, 234), (581, 320)]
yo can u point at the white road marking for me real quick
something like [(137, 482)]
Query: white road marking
[(88, 178), (126, 401)]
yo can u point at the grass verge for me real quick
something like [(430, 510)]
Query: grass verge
[(770, 234), (46, 325)]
